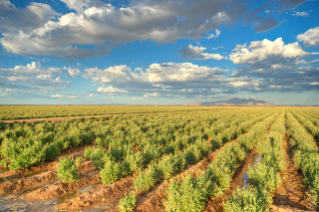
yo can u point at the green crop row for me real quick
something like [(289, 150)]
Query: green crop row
[(306, 122), (192, 193), (173, 164), (26, 112), (193, 148), (264, 177), (306, 155)]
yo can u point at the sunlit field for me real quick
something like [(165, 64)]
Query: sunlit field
[(160, 158)]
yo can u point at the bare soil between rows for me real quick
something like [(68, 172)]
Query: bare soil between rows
[(46, 166), (292, 192)]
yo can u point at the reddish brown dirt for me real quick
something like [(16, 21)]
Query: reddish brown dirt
[(61, 188), (216, 204), (99, 194), (22, 185), (46, 166), (317, 142), (292, 192), (285, 208)]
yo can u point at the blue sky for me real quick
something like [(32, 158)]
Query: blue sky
[(158, 52)]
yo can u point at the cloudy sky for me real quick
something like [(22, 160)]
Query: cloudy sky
[(158, 52)]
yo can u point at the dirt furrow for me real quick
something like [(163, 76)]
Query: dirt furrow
[(216, 204), (21, 185), (292, 192), (99, 194), (46, 166), (152, 201)]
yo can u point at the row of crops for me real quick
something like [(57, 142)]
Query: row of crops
[(160, 148), (28, 112)]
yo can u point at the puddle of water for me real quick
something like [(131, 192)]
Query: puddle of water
[(82, 190), (64, 198), (56, 182), (255, 160)]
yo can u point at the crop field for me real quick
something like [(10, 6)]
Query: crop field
[(30, 112), (160, 159)]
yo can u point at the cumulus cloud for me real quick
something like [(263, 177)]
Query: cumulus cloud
[(280, 67), (110, 89), (32, 76), (214, 36), (310, 37), (74, 72), (36, 31), (196, 52), (218, 47), (32, 17), (265, 49)]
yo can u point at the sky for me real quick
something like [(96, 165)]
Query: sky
[(168, 52)]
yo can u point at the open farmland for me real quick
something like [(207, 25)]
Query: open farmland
[(160, 159)]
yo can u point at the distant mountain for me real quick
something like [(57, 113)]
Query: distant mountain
[(233, 102)]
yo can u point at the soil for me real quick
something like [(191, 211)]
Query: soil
[(46, 166), (22, 185), (106, 195), (292, 192)]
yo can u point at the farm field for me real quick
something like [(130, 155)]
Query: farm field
[(160, 159), (30, 112)]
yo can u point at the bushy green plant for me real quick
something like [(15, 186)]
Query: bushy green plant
[(111, 172), (147, 180), (248, 200), (128, 203), (190, 195), (67, 170), (78, 161), (51, 152)]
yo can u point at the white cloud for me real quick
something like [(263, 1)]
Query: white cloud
[(72, 96), (310, 37), (33, 76), (91, 95), (214, 36), (314, 83), (303, 14), (78, 64), (111, 89), (262, 50), (74, 72), (218, 47), (56, 96), (196, 52)]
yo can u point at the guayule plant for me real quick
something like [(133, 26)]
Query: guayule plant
[(111, 172), (128, 203), (67, 170), (51, 152), (248, 200)]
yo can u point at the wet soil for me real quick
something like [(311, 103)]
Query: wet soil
[(292, 192)]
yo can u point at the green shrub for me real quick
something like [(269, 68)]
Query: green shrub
[(78, 161), (51, 152), (248, 200), (136, 162), (67, 170), (110, 173), (147, 180), (190, 195), (128, 203)]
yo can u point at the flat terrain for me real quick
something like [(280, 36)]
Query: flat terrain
[(148, 151)]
